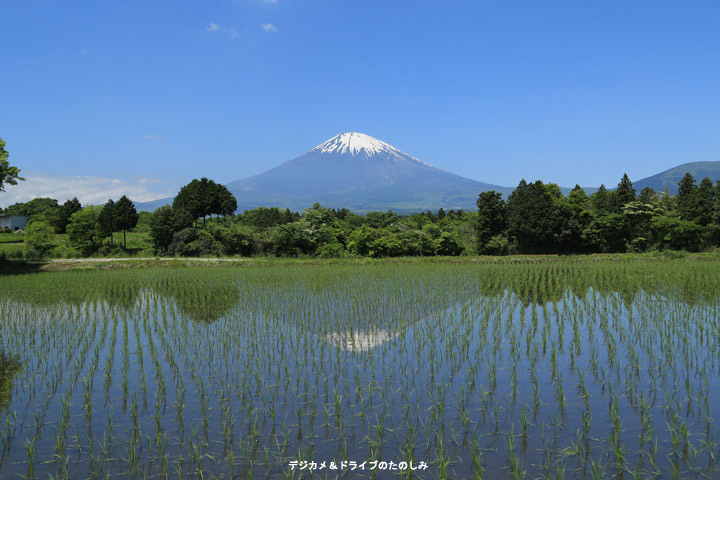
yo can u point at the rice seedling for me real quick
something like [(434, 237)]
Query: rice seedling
[(560, 369)]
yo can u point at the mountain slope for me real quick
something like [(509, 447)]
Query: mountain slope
[(359, 172), (668, 180)]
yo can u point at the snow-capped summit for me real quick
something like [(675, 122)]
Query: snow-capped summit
[(359, 144), (359, 172)]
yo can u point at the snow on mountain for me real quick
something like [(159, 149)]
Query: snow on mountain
[(360, 144), (359, 172)]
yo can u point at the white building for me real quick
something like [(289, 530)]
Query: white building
[(14, 223)]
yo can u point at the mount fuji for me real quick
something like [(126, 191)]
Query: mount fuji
[(358, 172), (361, 173)]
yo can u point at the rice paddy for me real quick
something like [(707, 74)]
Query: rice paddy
[(572, 369)]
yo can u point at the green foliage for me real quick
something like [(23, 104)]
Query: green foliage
[(163, 228), (126, 216), (537, 218), (292, 239), (648, 195), (387, 244), (48, 210), (39, 239), (534, 217), (33, 208), (575, 216), (361, 240), (108, 220), (624, 194), (686, 200), (68, 208), (705, 202), (83, 230), (202, 198), (600, 200), (192, 242), (9, 176), (638, 219), (676, 233), (497, 245), (268, 217), (236, 239), (606, 233), (143, 224), (491, 219)]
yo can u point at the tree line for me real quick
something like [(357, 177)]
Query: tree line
[(536, 218), (86, 228)]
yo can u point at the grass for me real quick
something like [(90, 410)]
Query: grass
[(139, 244), (10, 238), (524, 367)]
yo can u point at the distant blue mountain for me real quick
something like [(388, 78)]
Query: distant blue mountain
[(668, 180)]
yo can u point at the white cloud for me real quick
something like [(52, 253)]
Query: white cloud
[(269, 27), (156, 137), (215, 28), (88, 189)]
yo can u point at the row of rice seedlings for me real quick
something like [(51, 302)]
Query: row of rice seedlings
[(548, 370)]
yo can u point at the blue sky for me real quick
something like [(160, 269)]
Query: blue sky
[(139, 97)]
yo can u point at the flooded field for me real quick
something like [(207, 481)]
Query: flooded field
[(566, 369)]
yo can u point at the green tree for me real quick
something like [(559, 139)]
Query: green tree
[(83, 230), (39, 238), (107, 220), (491, 218), (648, 195), (68, 208), (126, 216), (638, 219), (606, 233), (676, 233), (202, 198), (33, 208), (686, 199), (705, 202), (534, 216), (163, 228), (576, 214), (600, 200), (448, 244), (361, 239), (387, 244), (292, 239), (714, 227), (224, 202), (624, 194), (189, 200), (233, 239), (9, 176)]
